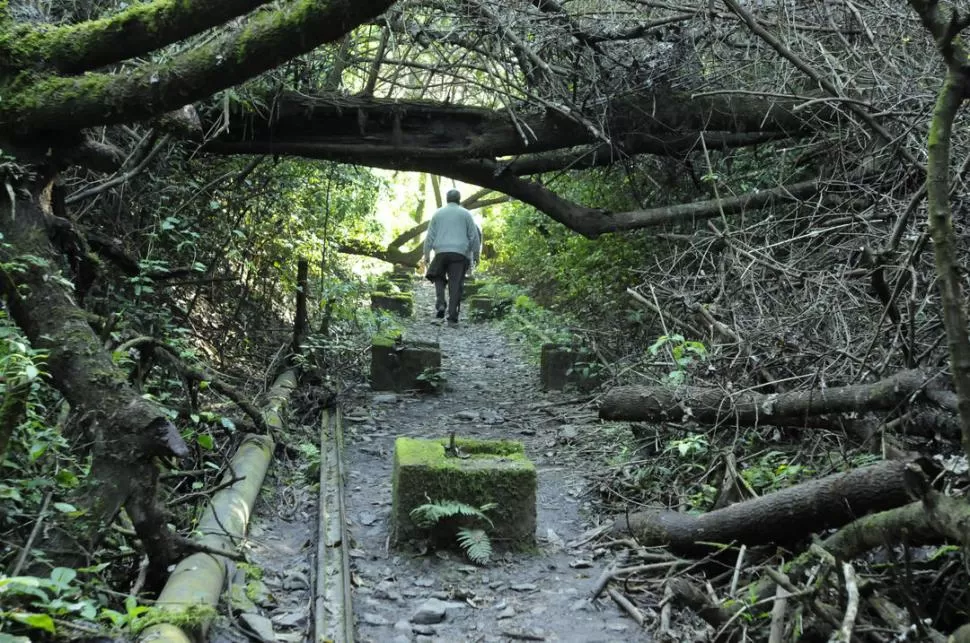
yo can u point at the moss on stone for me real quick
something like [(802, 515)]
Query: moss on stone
[(432, 452), (398, 303), (494, 472), (387, 339), (398, 365)]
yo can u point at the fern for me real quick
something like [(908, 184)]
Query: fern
[(476, 544), (430, 514)]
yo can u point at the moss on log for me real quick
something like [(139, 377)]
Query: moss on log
[(128, 431), (38, 101), (138, 30)]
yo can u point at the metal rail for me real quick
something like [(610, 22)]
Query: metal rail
[(333, 612)]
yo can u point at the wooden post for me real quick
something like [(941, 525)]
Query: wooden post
[(300, 324)]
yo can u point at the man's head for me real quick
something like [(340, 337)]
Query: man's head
[(453, 196)]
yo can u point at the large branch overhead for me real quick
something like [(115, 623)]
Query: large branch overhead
[(137, 31), (264, 42), (464, 143), (648, 120), (587, 221), (634, 144)]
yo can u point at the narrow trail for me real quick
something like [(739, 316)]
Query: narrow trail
[(492, 392)]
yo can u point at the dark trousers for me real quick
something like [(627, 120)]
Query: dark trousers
[(448, 268)]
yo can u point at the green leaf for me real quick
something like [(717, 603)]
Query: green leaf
[(657, 345), (696, 347), (476, 544), (62, 576), (66, 479), (86, 609), (205, 441), (64, 507), (195, 418), (39, 621), (16, 582), (429, 514), (37, 450), (117, 618), (9, 493)]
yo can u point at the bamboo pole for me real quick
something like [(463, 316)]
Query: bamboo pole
[(198, 580)]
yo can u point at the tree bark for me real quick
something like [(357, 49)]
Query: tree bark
[(13, 410), (328, 126), (659, 145), (127, 431), (392, 253), (798, 408), (267, 40), (590, 222), (131, 33), (300, 321), (956, 87), (782, 517)]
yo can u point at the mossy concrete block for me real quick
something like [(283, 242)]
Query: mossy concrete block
[(495, 471), (471, 287), (560, 365), (484, 307), (555, 364), (404, 281), (401, 304), (396, 363)]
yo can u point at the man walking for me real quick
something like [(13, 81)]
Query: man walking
[(453, 236)]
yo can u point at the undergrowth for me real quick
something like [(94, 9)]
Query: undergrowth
[(453, 519)]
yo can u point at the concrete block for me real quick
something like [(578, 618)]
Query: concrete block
[(471, 287), (401, 304), (494, 471), (404, 281), (561, 365), (396, 364), (483, 307)]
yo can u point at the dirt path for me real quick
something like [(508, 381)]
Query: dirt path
[(492, 392)]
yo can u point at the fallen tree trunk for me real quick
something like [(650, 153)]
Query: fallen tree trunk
[(127, 431), (390, 253), (781, 517), (798, 408)]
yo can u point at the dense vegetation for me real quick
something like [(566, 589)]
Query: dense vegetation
[(736, 199)]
